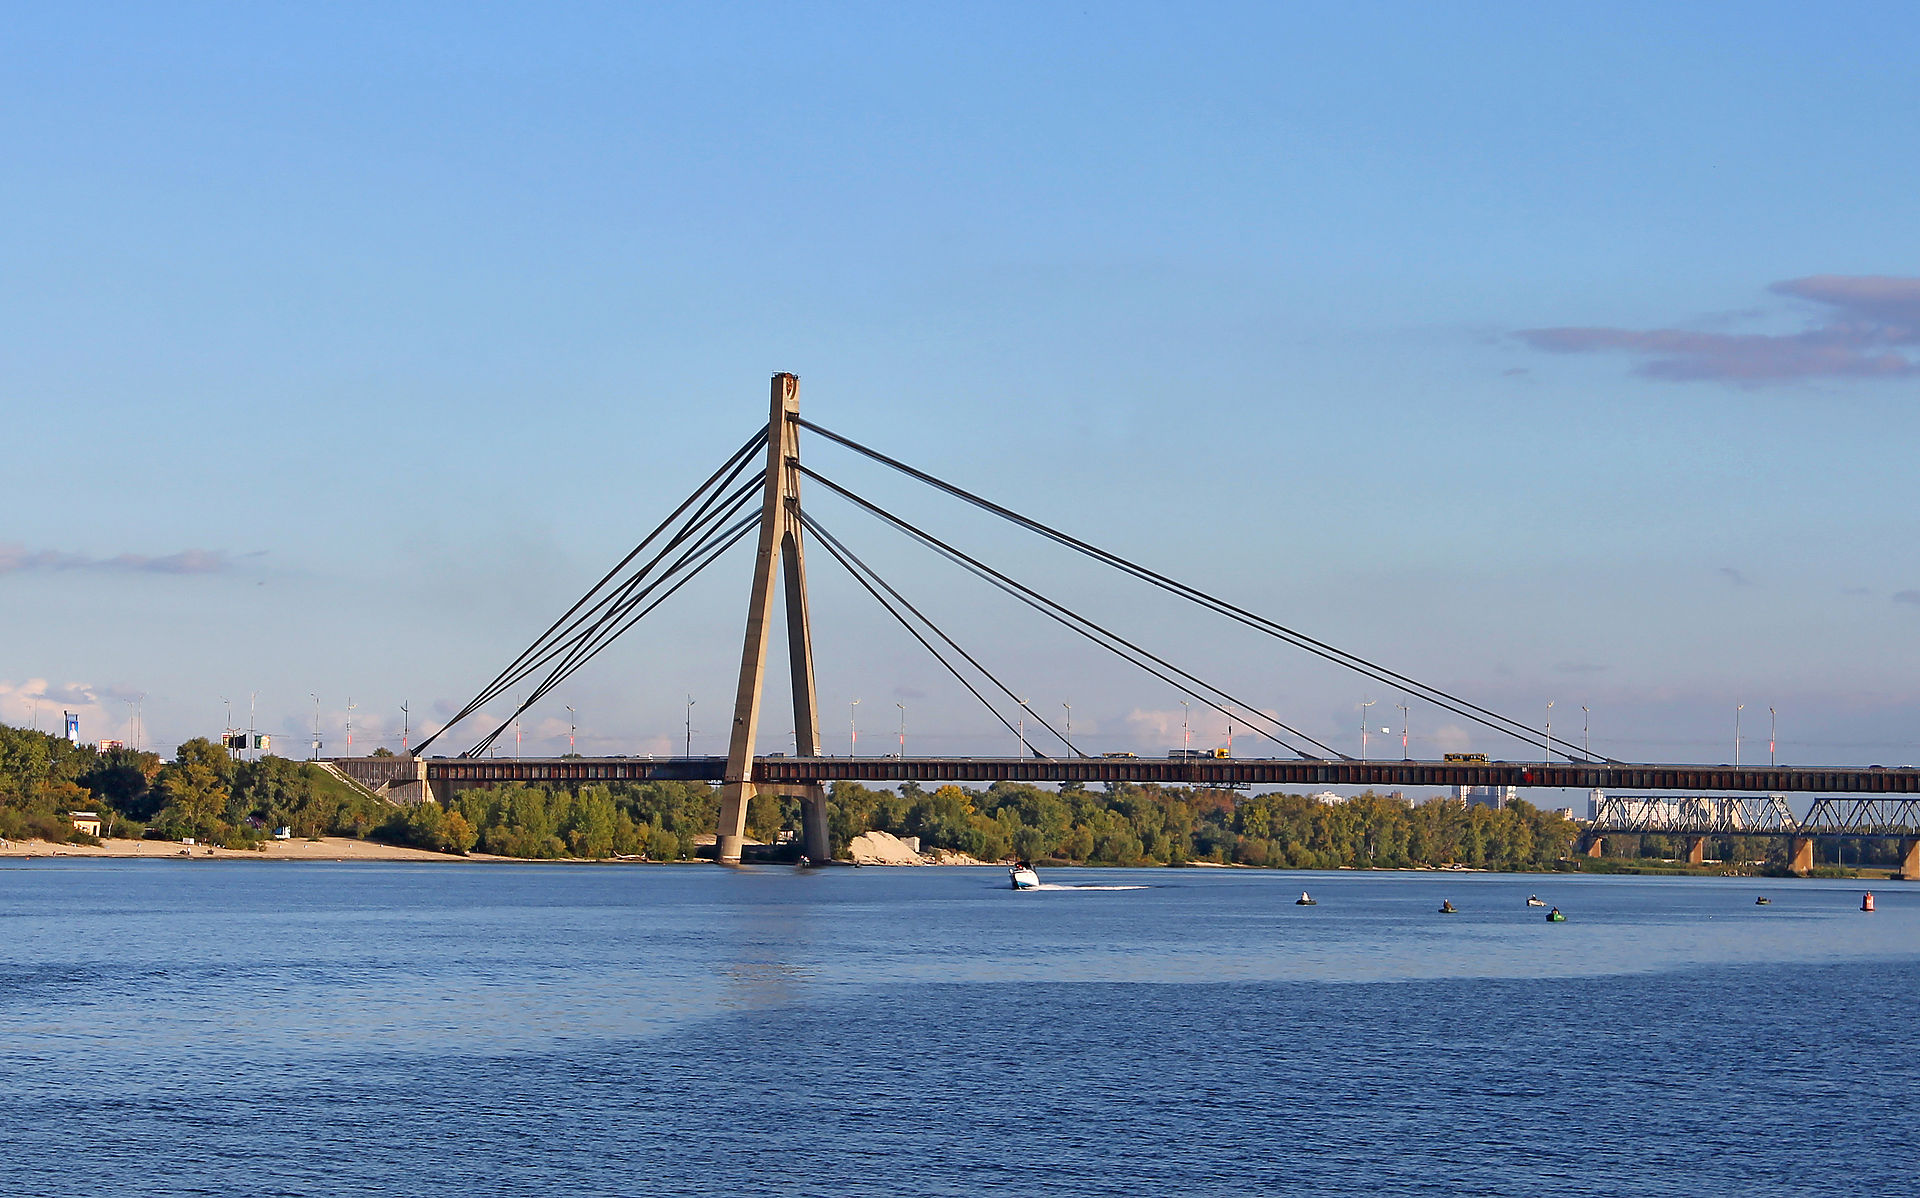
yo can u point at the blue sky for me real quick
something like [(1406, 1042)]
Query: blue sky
[(1545, 354)]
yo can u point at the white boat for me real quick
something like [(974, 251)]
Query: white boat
[(1022, 876), (1533, 900)]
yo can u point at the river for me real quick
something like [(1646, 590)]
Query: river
[(190, 1027)]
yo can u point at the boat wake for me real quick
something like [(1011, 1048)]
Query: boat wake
[(1057, 886)]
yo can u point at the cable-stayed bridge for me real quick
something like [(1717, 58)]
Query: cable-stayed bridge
[(739, 500)]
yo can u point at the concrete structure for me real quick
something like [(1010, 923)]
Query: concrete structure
[(780, 543), (400, 780), (85, 821)]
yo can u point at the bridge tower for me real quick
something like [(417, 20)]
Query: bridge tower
[(780, 545)]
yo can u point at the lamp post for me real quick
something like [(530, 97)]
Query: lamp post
[(316, 724), (689, 725), (1404, 756), (1546, 746), (1023, 725), (571, 725), (853, 743), (903, 728), (1736, 734), (1773, 725), (406, 725), (1363, 728), (350, 706), (1586, 728), (1186, 729), (1069, 708)]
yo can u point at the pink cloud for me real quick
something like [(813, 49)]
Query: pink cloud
[(16, 558), (1861, 329)]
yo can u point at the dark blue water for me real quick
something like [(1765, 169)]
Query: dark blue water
[(242, 1028)]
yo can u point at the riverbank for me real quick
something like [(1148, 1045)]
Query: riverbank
[(326, 848)]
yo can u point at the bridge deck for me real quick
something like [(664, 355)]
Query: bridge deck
[(457, 772)]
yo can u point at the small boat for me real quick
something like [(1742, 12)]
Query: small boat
[(1762, 901), (1533, 900), (1866, 901), (1306, 900), (1021, 875), (1554, 916), (1447, 907)]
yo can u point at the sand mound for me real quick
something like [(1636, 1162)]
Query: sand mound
[(881, 848)]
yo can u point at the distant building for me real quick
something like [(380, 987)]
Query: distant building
[(85, 821), (1328, 798), (1495, 797), (105, 745)]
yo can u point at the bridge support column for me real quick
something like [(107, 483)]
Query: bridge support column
[(780, 544), (1909, 861), (1595, 845), (1697, 850), (1801, 859)]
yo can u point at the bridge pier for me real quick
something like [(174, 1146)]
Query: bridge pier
[(1696, 850), (1909, 870), (1800, 859), (780, 554), (1595, 845)]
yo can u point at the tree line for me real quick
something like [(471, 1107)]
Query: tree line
[(203, 793), (207, 794)]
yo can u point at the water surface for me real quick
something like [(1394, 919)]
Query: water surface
[(277, 1028)]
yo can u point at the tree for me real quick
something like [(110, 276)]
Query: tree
[(195, 785)]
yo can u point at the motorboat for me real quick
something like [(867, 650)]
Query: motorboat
[(1762, 901), (1447, 907), (1021, 875), (1533, 900), (1554, 916), (1306, 900)]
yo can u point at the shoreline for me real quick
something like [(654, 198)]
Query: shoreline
[(327, 848), (344, 849)]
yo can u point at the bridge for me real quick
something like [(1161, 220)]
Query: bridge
[(1695, 818), (737, 501)]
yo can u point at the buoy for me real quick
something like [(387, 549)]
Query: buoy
[(1866, 903)]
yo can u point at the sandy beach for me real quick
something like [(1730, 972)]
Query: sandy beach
[(328, 848)]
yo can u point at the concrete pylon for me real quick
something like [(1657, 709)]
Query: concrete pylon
[(1697, 850), (1909, 861), (780, 541), (1596, 845), (1800, 858)]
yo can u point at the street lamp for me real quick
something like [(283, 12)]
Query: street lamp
[(571, 724), (1023, 725), (1403, 732), (1186, 729), (853, 744), (316, 725), (1773, 725), (1546, 746), (689, 725), (1363, 728), (1069, 708), (903, 728), (406, 725), (1586, 727), (1736, 734)]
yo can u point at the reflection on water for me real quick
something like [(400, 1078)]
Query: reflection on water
[(449, 1029)]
